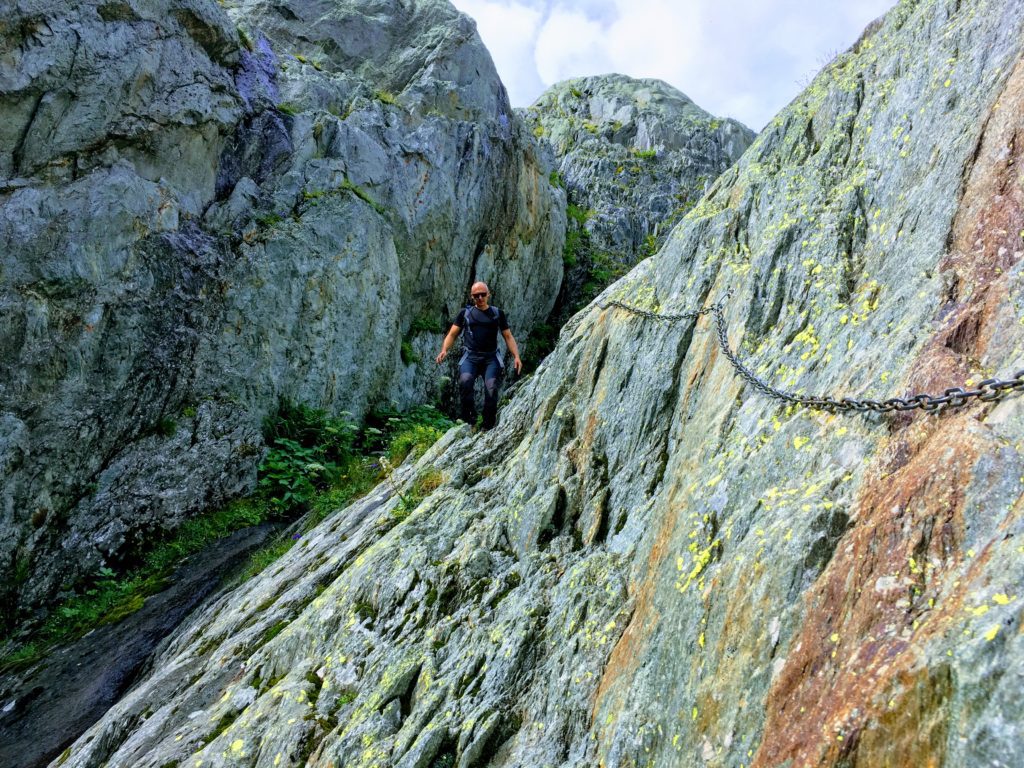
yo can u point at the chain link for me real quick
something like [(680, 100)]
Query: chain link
[(954, 397)]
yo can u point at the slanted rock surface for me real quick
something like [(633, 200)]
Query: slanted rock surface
[(206, 206), (635, 154), (649, 563)]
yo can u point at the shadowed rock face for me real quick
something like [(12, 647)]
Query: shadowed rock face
[(649, 564), (636, 154), (205, 206)]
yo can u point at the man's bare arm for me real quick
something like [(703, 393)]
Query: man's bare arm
[(513, 348), (453, 334)]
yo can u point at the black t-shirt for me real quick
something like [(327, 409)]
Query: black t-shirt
[(481, 337)]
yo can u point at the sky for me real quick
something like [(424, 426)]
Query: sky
[(744, 59)]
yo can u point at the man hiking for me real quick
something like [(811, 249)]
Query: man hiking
[(481, 323)]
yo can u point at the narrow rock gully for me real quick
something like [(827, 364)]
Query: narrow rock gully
[(45, 708)]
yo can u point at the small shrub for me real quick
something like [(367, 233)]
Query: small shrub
[(305, 450), (409, 355), (268, 220)]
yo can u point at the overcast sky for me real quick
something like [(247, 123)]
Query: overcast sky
[(745, 59)]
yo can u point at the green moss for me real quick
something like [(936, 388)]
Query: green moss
[(423, 324), (268, 220), (365, 611), (363, 195), (645, 154), (165, 427), (288, 109), (246, 40), (408, 354), (273, 632), (223, 724), (386, 97), (346, 697)]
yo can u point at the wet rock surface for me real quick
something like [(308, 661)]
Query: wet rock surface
[(650, 564), (47, 707), (205, 207)]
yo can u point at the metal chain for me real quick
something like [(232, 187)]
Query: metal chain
[(954, 397)]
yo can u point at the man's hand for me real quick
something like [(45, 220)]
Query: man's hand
[(440, 358), (517, 364)]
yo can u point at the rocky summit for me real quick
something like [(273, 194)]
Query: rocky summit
[(634, 156), (209, 206), (650, 561)]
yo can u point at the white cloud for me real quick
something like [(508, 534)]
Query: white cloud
[(738, 58), (569, 45), (509, 31)]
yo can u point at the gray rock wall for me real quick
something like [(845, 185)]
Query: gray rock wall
[(207, 206), (649, 563)]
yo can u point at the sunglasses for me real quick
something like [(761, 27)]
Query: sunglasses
[(479, 295)]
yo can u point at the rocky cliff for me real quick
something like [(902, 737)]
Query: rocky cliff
[(650, 563), (635, 155), (206, 206)]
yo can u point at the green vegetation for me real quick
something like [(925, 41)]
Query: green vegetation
[(315, 464), (555, 179), (108, 596), (604, 270), (386, 97), (288, 109), (423, 325), (363, 195), (166, 427), (268, 220), (409, 355), (246, 40), (576, 235), (538, 131), (645, 154), (542, 341), (649, 247)]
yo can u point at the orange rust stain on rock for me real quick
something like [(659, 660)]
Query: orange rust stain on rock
[(987, 241), (858, 633), (858, 655), (629, 650)]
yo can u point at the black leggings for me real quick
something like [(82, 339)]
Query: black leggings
[(469, 369)]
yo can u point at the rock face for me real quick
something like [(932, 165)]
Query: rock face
[(636, 154), (649, 563), (206, 206)]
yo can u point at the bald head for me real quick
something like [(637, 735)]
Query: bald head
[(479, 294)]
